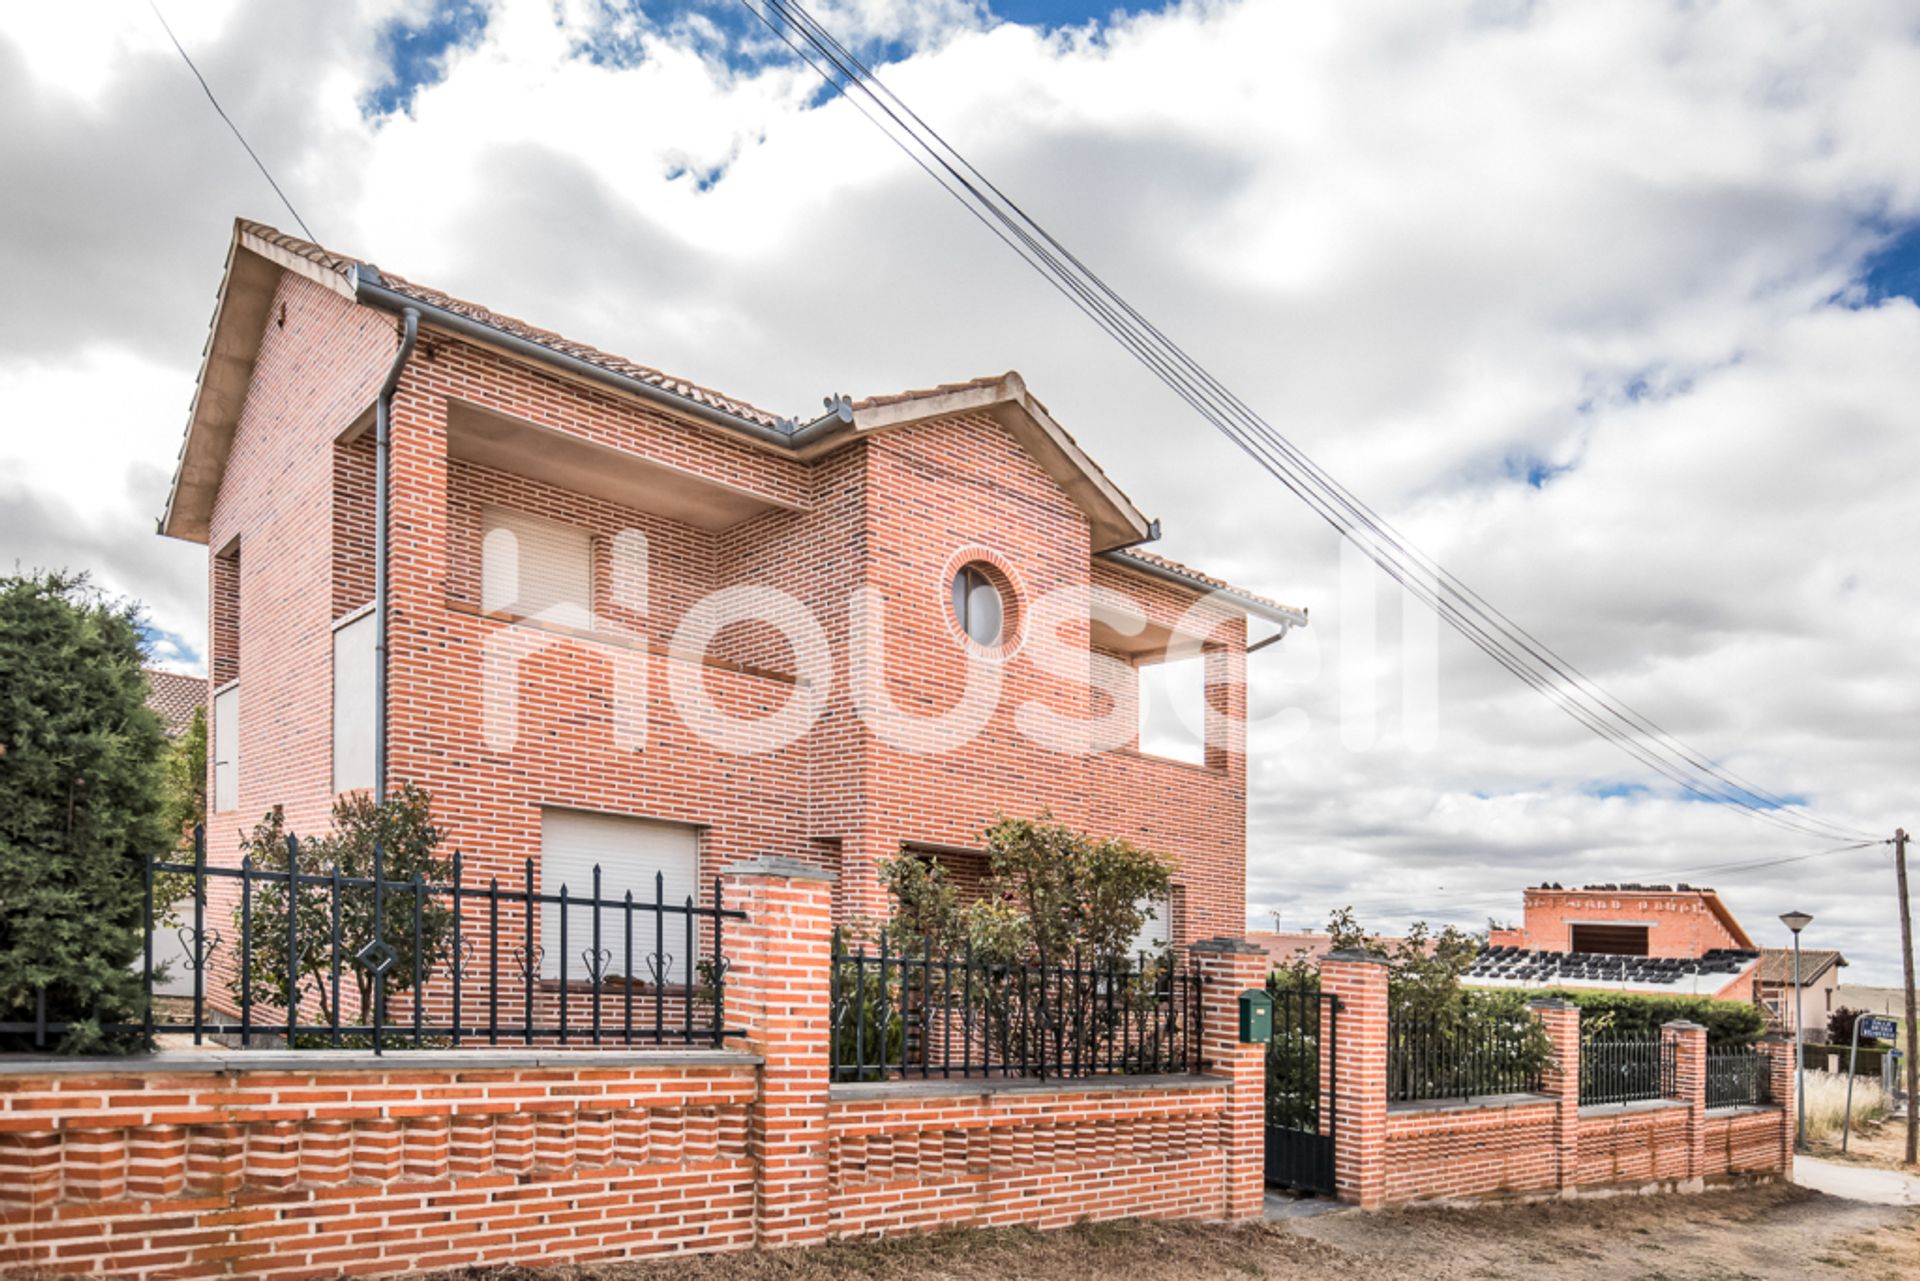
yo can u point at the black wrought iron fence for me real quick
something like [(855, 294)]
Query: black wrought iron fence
[(1738, 1076), (1466, 1054), (1628, 1069), (928, 1014), (1301, 1021), (467, 962)]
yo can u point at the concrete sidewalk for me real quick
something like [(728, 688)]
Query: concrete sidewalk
[(1867, 1183)]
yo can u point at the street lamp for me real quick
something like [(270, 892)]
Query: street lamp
[(1797, 921)]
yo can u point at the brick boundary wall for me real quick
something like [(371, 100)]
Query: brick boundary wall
[(321, 1163), (1542, 1144)]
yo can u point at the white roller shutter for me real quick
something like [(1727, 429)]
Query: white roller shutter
[(535, 568), (226, 749), (353, 678), (630, 852)]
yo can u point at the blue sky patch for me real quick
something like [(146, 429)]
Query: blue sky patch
[(1065, 13), (416, 56), (1536, 471), (1894, 271)]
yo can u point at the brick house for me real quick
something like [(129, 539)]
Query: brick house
[(637, 622), (1667, 939)]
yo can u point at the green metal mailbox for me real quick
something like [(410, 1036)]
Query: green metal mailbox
[(1256, 1016)]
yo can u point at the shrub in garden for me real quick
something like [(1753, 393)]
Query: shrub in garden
[(80, 806), (410, 842), (1634, 1015)]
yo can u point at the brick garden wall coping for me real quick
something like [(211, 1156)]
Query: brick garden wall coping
[(478, 1060), (1483, 1103), (852, 1091)]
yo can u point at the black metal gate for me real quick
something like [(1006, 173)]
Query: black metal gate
[(1299, 1132)]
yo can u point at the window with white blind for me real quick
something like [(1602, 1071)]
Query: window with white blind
[(535, 568), (353, 678), (1156, 931), (226, 748), (631, 853), (1173, 710)]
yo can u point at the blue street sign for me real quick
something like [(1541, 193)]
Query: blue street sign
[(1878, 1027)]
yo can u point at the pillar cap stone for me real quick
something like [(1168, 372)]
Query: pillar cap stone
[(1240, 947), (1551, 1003), (1361, 955), (1683, 1025), (780, 865)]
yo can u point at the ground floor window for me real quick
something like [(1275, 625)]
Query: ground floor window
[(636, 855)]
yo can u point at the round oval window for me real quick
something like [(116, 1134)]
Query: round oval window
[(977, 605)]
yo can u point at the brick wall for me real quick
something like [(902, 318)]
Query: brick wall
[(314, 1171), (318, 1164), (1536, 1144)]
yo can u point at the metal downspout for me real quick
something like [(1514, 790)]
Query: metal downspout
[(382, 544)]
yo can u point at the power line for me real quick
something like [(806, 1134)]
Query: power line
[(208, 90), (1493, 632)]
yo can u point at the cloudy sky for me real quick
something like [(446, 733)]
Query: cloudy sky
[(1610, 305)]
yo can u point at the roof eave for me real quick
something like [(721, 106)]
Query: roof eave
[(1247, 603), (247, 282)]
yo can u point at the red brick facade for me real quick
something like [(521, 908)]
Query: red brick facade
[(865, 538)]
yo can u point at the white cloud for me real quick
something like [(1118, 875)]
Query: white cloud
[(1435, 242)]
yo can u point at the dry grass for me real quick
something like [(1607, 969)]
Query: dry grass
[(1827, 1103)]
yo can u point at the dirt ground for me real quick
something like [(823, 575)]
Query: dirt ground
[(1882, 1143), (1754, 1234)]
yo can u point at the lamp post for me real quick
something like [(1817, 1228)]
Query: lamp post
[(1797, 921)]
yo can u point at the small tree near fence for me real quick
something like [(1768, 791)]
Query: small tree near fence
[(1048, 971), (403, 827)]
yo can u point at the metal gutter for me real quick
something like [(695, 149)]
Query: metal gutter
[(382, 543), (369, 289), (1258, 608)]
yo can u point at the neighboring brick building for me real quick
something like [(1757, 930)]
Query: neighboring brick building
[(1643, 938), (174, 698), (945, 553)]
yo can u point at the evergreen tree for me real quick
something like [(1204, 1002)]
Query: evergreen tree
[(80, 807)]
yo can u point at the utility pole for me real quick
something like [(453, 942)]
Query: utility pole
[(1913, 1022)]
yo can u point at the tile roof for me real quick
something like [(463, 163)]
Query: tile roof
[(1186, 571), (926, 393), (1519, 966), (348, 268), (175, 697), (1776, 964)]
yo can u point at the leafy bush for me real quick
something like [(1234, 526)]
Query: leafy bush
[(1633, 1014), (1051, 893), (1840, 1027), (80, 806), (1815, 1056), (403, 825)]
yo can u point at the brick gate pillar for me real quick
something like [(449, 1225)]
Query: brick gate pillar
[(1561, 1019), (777, 989), (1353, 1074), (1227, 968), (1781, 1086), (1689, 1041)]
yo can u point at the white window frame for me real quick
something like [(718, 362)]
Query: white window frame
[(499, 558), (353, 724), (602, 833), (226, 748), (1159, 701)]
